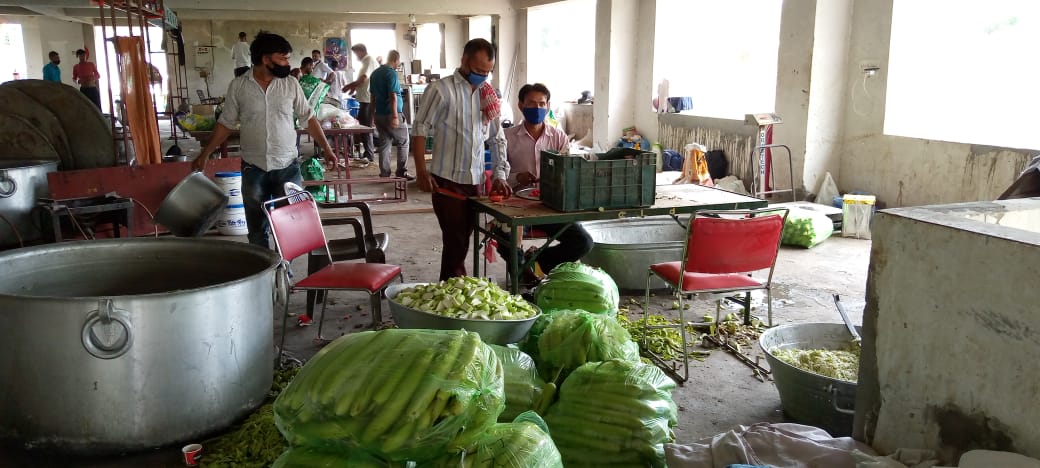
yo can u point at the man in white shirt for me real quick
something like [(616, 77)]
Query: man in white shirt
[(321, 70), (362, 94), (263, 101), (337, 81), (240, 54)]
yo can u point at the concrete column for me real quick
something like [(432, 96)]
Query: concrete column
[(616, 39), (794, 70)]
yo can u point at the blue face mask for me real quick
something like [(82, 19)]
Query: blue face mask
[(476, 79), (535, 115)]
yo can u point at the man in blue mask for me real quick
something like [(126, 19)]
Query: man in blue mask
[(451, 112), (525, 143)]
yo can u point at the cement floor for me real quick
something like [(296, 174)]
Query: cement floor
[(722, 391)]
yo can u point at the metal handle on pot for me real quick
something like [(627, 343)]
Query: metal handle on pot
[(7, 181), (834, 401), (107, 333)]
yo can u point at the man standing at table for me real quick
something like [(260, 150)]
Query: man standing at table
[(240, 55), (453, 113), (86, 74), (263, 101), (51, 72), (525, 143), (389, 112), (320, 70), (362, 94)]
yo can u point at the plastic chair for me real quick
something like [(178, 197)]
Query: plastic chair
[(297, 231), (723, 249)]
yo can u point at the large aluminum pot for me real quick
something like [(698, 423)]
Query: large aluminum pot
[(125, 344), (192, 207), (625, 248), (21, 183)]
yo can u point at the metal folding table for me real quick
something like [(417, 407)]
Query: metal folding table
[(517, 213)]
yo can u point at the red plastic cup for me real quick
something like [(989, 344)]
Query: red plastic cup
[(192, 454)]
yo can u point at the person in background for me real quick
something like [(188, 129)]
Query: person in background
[(240, 54), (379, 60), (452, 112), (525, 143), (360, 88), (336, 80), (263, 101), (51, 72), (320, 70), (388, 102), (85, 73)]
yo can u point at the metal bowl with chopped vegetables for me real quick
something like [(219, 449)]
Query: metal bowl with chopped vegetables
[(463, 303)]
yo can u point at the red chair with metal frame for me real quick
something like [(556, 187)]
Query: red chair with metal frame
[(297, 229), (723, 249)]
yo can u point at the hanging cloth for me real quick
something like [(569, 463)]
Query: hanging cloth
[(137, 97)]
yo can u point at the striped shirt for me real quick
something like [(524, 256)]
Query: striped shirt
[(268, 134), (450, 113)]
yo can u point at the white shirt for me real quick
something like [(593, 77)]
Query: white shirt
[(321, 70), (450, 112), (368, 65), (240, 54), (267, 135), (339, 80)]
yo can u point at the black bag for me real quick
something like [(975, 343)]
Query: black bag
[(718, 167)]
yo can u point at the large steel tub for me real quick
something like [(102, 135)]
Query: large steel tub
[(625, 248), (125, 344)]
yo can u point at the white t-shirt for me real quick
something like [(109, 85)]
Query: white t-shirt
[(339, 80), (240, 54), (321, 70), (368, 65)]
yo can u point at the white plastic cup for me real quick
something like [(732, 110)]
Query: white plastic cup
[(233, 221)]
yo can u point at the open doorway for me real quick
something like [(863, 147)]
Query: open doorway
[(12, 49), (378, 38), (109, 69)]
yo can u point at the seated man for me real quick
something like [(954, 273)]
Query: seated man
[(524, 145)]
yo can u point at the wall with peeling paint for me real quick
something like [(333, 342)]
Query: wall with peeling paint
[(951, 335)]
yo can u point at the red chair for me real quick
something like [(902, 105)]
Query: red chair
[(297, 231), (723, 249)]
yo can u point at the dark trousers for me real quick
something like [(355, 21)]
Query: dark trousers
[(574, 242), (456, 220), (92, 93), (259, 186), (364, 117), (241, 71), (389, 136)]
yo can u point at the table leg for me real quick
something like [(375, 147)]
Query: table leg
[(516, 233)]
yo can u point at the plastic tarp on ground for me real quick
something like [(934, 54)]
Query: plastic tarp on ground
[(780, 445)]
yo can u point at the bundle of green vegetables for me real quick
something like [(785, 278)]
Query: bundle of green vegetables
[(396, 394), (842, 364), (573, 285), (523, 443), (806, 228), (466, 297), (614, 413), (523, 387), (574, 337)]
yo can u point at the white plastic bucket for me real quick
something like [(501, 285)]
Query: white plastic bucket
[(233, 221), (231, 184)]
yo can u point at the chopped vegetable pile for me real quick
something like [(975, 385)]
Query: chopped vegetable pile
[(836, 364), (467, 297), (256, 442)]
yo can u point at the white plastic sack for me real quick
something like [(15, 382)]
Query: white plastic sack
[(828, 190)]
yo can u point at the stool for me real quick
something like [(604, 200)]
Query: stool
[(119, 212)]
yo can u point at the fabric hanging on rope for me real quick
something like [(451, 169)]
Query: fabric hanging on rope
[(135, 85)]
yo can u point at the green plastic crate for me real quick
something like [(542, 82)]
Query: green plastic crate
[(570, 183)]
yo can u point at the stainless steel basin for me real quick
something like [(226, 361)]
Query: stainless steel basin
[(625, 248)]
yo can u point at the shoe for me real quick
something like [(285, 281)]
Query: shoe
[(406, 176), (303, 321)]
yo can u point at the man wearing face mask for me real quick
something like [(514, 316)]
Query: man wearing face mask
[(263, 102), (452, 113), (525, 143)]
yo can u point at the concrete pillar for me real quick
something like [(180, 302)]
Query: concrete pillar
[(615, 77), (794, 70)]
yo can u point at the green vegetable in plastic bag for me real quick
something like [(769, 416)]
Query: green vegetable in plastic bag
[(523, 387), (523, 443), (614, 413), (806, 228), (313, 170), (396, 394), (314, 90), (575, 337), (308, 457), (573, 285)]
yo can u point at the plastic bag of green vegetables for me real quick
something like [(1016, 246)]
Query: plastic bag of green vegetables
[(523, 387), (806, 228), (573, 285), (466, 297), (396, 394), (574, 337), (523, 443), (614, 413), (309, 457)]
